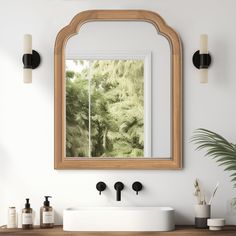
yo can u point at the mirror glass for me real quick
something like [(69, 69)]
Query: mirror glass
[(118, 91)]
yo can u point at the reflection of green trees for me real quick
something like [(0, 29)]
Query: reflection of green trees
[(76, 116), (117, 109)]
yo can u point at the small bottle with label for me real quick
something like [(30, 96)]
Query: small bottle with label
[(12, 218), (27, 216), (46, 215)]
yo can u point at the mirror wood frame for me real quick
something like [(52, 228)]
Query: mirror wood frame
[(60, 161)]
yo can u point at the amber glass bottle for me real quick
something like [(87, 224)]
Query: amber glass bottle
[(27, 216), (46, 215)]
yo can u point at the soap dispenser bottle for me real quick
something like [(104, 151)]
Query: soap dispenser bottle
[(46, 215), (27, 216)]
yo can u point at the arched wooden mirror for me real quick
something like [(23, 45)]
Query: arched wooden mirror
[(118, 92)]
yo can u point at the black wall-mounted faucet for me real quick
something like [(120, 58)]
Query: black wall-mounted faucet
[(119, 186), (137, 186), (100, 186)]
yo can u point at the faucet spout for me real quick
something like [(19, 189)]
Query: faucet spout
[(119, 186)]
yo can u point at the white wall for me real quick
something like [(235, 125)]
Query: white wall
[(26, 120)]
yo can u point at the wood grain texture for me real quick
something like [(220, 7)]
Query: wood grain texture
[(60, 161), (180, 231)]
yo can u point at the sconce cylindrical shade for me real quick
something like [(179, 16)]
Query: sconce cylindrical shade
[(203, 44), (203, 76), (27, 46), (27, 75), (27, 49), (202, 59), (203, 50)]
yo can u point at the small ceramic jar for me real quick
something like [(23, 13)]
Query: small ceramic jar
[(215, 224)]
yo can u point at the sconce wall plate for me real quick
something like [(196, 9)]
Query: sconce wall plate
[(201, 61), (31, 61)]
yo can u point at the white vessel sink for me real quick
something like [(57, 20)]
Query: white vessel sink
[(119, 219)]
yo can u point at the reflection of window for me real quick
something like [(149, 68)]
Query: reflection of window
[(105, 108)]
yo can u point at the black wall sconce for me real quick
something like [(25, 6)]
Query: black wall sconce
[(202, 59), (31, 59)]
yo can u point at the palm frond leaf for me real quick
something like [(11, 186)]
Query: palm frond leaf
[(218, 148)]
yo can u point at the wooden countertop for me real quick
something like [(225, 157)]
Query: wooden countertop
[(180, 231)]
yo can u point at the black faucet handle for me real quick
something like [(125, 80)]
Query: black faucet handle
[(100, 186), (137, 186)]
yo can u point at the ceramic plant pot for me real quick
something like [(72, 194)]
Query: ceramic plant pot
[(202, 213)]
